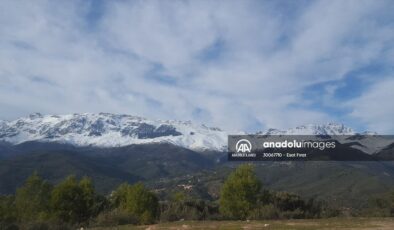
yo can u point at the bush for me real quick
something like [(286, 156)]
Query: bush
[(288, 202), (240, 193), (189, 210), (8, 226), (7, 211), (73, 201), (37, 226), (114, 218), (293, 214), (47, 225), (265, 212), (137, 201), (381, 205), (32, 200)]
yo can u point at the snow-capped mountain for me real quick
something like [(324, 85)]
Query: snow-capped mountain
[(314, 129), (368, 142), (113, 130), (110, 130)]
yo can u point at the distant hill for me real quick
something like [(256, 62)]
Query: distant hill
[(167, 168), (107, 166)]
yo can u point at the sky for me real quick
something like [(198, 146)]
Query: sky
[(237, 65)]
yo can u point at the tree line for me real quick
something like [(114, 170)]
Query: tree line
[(41, 205)]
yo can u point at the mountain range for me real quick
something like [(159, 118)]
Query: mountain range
[(112, 130), (167, 155)]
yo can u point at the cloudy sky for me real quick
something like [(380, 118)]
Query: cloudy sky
[(238, 65)]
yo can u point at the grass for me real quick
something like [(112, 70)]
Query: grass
[(332, 223)]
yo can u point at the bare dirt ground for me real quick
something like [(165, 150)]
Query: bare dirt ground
[(332, 223)]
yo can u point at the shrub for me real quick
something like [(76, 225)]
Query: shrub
[(115, 217), (8, 226), (288, 202), (265, 212), (32, 200), (240, 192), (7, 211), (73, 201), (137, 201), (46, 225), (190, 209)]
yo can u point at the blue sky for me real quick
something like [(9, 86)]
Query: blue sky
[(238, 65)]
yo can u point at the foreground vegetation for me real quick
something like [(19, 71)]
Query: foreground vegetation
[(75, 203)]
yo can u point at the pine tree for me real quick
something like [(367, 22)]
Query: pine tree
[(32, 200), (239, 194)]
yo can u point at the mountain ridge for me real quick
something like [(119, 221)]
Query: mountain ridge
[(110, 130), (116, 130)]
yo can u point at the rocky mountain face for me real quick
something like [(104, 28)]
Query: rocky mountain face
[(114, 130), (110, 130)]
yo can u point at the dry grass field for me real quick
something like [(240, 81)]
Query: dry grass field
[(333, 223)]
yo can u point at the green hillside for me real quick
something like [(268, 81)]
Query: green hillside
[(167, 168)]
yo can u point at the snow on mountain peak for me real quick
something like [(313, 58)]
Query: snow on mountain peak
[(110, 130), (314, 129)]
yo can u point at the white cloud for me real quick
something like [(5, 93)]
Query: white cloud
[(375, 107), (52, 62)]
